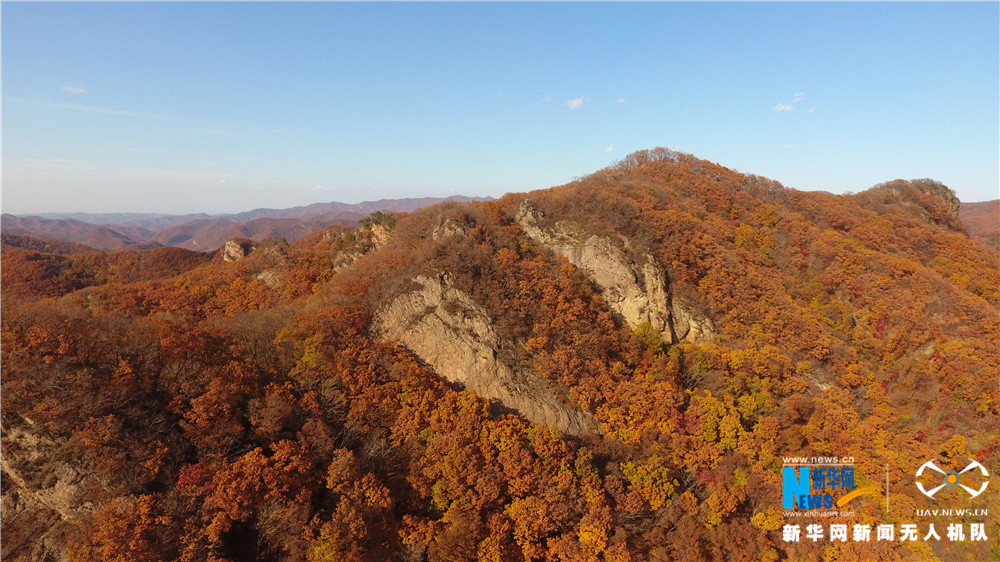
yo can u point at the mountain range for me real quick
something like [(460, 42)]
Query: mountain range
[(116, 231), (624, 367)]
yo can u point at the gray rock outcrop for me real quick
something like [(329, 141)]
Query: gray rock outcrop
[(380, 235), (446, 328), (237, 249), (42, 494), (637, 293), (689, 324), (25, 452), (447, 227)]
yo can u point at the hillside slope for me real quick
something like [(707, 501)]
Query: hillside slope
[(610, 369), (983, 221)]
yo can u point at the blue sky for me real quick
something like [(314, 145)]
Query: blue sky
[(225, 107)]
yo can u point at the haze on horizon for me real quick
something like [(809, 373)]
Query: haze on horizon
[(199, 107)]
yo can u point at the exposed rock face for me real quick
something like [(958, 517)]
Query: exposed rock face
[(447, 227), (380, 235), (41, 500), (25, 451), (638, 294), (269, 277), (689, 324), (237, 249), (454, 335)]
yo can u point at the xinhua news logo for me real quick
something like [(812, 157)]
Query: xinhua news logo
[(809, 483), (813, 487)]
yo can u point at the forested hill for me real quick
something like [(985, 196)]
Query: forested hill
[(609, 369)]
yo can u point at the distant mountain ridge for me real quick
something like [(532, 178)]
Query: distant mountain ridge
[(983, 221), (201, 231), (159, 221), (102, 237)]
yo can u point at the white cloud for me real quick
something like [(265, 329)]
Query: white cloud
[(786, 107), (126, 113), (74, 89), (685, 112), (789, 145), (547, 99), (92, 109), (810, 110), (610, 148), (575, 103), (620, 100)]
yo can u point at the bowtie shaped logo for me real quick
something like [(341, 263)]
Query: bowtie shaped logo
[(952, 479)]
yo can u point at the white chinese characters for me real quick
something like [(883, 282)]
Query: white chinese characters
[(886, 532)]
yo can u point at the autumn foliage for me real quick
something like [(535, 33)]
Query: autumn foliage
[(244, 410)]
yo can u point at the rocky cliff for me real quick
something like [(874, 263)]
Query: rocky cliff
[(237, 249), (447, 329), (638, 294), (40, 493)]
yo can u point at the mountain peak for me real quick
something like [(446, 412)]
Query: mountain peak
[(926, 199)]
